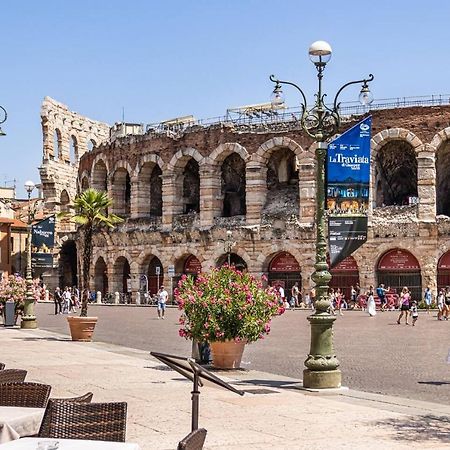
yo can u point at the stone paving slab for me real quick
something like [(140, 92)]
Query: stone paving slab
[(273, 414)]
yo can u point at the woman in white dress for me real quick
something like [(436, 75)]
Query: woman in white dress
[(371, 306)]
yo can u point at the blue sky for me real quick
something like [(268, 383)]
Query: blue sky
[(162, 59)]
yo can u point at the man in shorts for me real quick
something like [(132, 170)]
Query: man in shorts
[(163, 296), (381, 293)]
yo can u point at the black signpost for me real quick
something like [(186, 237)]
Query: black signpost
[(198, 375)]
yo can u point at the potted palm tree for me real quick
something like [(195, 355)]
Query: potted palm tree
[(90, 214)]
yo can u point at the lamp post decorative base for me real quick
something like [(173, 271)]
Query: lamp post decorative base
[(28, 322), (322, 379)]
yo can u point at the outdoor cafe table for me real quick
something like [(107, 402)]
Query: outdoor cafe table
[(68, 444), (16, 422)]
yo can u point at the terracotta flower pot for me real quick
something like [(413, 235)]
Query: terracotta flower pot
[(82, 328), (228, 354)]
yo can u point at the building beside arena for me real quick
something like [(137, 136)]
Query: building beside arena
[(182, 184)]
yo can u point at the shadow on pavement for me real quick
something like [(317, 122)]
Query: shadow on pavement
[(426, 428), (43, 339), (434, 383), (280, 384)]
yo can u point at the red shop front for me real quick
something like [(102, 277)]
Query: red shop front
[(284, 270), (344, 276)]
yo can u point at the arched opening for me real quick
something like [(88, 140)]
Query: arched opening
[(398, 268), (233, 260), (84, 184), (57, 144), (150, 188), (396, 174), (188, 265), (443, 179), (155, 275), (282, 184), (121, 192), (284, 271), (233, 186), (91, 145), (64, 201), (73, 151), (100, 176), (68, 275), (191, 187), (122, 275), (443, 271), (344, 276), (101, 276)]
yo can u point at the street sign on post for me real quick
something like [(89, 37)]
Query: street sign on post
[(171, 271), (157, 270)]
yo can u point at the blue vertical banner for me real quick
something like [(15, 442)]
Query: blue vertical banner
[(42, 243), (348, 178)]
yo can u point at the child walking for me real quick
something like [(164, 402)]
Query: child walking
[(414, 312)]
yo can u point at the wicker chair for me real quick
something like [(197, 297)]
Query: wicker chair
[(12, 376), (193, 441), (95, 421), (45, 424), (2, 366), (31, 395)]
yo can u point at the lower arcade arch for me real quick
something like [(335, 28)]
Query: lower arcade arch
[(344, 276), (101, 276), (398, 268), (155, 275), (443, 271), (122, 275), (68, 274), (284, 270), (233, 260)]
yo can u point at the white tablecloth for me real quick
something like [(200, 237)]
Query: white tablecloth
[(68, 444), (16, 422)]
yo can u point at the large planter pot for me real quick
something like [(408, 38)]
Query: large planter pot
[(228, 354), (82, 328)]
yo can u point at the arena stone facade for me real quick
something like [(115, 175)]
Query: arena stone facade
[(180, 193)]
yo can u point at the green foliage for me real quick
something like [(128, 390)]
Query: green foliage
[(225, 304)]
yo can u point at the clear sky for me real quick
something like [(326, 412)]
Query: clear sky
[(162, 59)]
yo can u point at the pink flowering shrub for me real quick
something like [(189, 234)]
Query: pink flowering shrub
[(14, 288), (225, 304)]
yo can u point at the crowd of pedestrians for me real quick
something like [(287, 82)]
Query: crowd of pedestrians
[(66, 301)]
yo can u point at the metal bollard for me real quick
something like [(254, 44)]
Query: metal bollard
[(116, 298), (138, 298), (99, 297)]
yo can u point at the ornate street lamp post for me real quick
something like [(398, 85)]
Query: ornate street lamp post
[(321, 122), (3, 117), (28, 317)]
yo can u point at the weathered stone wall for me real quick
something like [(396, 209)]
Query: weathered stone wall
[(67, 136)]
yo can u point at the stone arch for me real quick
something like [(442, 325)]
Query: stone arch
[(121, 188), (149, 186), (57, 145), (265, 150), (121, 273), (68, 264), (64, 201), (221, 152), (84, 181), (90, 144), (394, 167), (442, 172), (233, 185), (101, 282), (73, 150), (182, 156), (405, 270), (99, 173)]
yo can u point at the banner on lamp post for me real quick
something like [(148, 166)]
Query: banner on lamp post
[(347, 187), (42, 243)]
